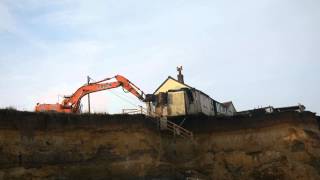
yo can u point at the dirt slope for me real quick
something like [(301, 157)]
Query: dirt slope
[(56, 146)]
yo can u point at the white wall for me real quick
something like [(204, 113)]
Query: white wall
[(207, 105), (221, 110)]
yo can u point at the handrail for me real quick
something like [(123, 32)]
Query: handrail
[(171, 126)]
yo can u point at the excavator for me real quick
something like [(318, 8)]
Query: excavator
[(71, 104)]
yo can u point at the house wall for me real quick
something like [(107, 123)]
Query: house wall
[(221, 109), (231, 110), (170, 85), (180, 103), (193, 107), (206, 104), (176, 103)]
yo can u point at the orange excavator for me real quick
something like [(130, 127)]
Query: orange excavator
[(71, 104)]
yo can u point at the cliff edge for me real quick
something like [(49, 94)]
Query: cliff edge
[(63, 146)]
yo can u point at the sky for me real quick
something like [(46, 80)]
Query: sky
[(254, 53)]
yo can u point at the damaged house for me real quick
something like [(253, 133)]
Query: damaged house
[(175, 98)]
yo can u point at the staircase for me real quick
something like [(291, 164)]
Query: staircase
[(175, 128), (163, 123)]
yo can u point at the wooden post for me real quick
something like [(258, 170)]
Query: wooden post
[(89, 109)]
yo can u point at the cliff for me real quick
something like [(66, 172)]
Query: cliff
[(59, 146)]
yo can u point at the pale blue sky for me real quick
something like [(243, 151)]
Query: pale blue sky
[(255, 53)]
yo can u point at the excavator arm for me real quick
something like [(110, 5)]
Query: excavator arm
[(71, 104)]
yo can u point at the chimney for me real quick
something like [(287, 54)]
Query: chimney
[(180, 75)]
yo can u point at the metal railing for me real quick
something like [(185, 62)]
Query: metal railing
[(139, 110)]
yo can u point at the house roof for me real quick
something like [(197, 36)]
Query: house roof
[(169, 77)]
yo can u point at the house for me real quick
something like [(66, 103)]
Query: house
[(175, 98)]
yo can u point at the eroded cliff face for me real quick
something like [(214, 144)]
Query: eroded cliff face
[(55, 146)]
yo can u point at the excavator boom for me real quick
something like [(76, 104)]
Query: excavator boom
[(71, 104)]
